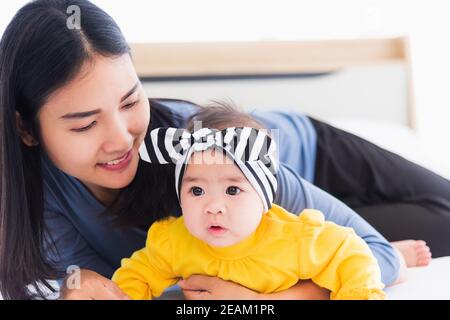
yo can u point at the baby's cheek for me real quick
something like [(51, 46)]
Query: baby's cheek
[(249, 218), (193, 225), (247, 223)]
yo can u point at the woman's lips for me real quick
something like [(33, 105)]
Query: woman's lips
[(122, 164)]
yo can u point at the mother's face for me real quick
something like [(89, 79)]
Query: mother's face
[(100, 116)]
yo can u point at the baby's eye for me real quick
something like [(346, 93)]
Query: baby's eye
[(197, 191), (232, 191)]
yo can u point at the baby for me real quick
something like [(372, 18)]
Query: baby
[(226, 181)]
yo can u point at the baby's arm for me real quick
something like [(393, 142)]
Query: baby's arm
[(335, 258), (148, 271)]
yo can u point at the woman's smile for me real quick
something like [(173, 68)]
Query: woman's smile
[(119, 164)]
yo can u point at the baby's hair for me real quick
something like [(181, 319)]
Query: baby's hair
[(221, 115)]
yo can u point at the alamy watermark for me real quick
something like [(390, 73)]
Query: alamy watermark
[(74, 19), (73, 280)]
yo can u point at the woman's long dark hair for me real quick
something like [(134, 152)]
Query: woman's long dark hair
[(39, 53)]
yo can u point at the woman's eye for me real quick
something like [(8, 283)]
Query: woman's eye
[(130, 105), (85, 128), (197, 191), (232, 191)]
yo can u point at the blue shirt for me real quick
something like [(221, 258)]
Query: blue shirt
[(84, 239)]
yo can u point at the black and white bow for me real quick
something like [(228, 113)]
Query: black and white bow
[(251, 149)]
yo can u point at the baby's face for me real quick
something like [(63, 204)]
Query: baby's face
[(219, 205)]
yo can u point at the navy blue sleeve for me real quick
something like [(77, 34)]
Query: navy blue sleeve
[(295, 194)]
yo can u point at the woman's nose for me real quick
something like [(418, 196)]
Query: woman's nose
[(118, 138)]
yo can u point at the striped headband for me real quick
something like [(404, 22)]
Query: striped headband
[(252, 150)]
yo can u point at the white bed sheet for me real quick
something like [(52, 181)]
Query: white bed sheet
[(424, 283)]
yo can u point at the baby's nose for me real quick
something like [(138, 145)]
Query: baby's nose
[(215, 208)]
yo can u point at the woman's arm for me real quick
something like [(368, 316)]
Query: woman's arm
[(199, 287)]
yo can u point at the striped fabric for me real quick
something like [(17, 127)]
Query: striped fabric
[(252, 150)]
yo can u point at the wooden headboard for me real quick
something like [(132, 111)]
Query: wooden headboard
[(233, 60)]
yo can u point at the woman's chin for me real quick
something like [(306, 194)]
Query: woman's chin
[(116, 179), (119, 181), (117, 185)]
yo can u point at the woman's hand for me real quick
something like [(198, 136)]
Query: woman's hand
[(303, 290), (199, 287), (90, 286)]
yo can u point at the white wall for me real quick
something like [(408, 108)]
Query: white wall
[(427, 23)]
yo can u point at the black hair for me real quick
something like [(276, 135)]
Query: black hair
[(39, 53)]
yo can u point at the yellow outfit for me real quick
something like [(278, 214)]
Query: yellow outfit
[(284, 249)]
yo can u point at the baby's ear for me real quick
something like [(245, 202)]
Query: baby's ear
[(24, 133)]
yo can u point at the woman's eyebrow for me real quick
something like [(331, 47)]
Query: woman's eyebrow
[(85, 114), (78, 115), (130, 92)]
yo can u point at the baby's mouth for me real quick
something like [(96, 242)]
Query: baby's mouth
[(216, 229)]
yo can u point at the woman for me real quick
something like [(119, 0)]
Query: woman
[(73, 191)]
